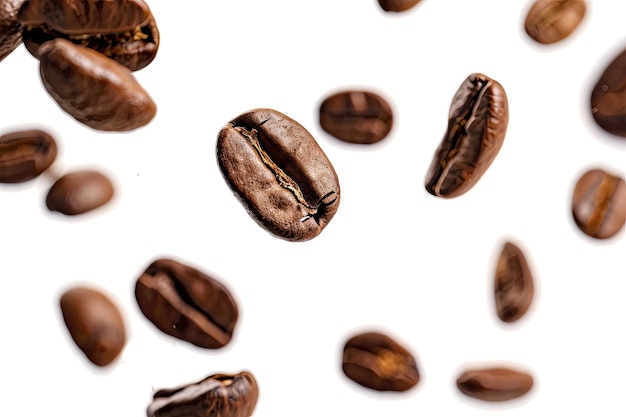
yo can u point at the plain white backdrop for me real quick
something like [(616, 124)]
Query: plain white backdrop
[(394, 258)]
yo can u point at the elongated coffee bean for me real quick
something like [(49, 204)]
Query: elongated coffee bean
[(279, 174), (79, 192), (25, 154), (95, 90), (551, 21), (494, 384), (477, 124), (599, 204), (220, 395), (186, 303), (608, 97), (514, 285), (376, 361)]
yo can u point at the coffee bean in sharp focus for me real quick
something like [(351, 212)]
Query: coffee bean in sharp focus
[(494, 384), (279, 174), (376, 361), (599, 203), (10, 27), (608, 97), (79, 192), (514, 286), (220, 395), (186, 303), (551, 21), (356, 116), (397, 5), (25, 154), (477, 124)]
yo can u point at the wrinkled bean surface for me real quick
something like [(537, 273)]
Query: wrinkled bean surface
[(79, 192), (494, 384), (514, 284), (10, 27), (25, 154), (551, 21)]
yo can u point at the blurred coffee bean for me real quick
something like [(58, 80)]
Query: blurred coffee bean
[(608, 97), (25, 154), (494, 384), (551, 21), (79, 192), (514, 284), (397, 5)]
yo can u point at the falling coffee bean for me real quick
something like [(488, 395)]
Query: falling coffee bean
[(186, 303), (599, 204), (25, 154), (376, 361), (494, 384), (397, 5), (10, 27), (95, 324), (608, 97), (477, 124), (514, 285), (79, 192), (551, 21)]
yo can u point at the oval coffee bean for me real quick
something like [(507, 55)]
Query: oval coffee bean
[(356, 116), (551, 21), (599, 204), (10, 27), (376, 361), (608, 97), (397, 5), (220, 395), (477, 124), (79, 192), (25, 154), (95, 324), (494, 384), (94, 89), (514, 286), (279, 174), (185, 303)]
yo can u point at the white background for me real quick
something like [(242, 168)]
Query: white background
[(394, 258)]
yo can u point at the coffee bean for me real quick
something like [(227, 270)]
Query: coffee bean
[(10, 27), (551, 21), (477, 125), (94, 89), (25, 154), (219, 395), (599, 204), (494, 384), (95, 324), (125, 31), (356, 116), (79, 192), (186, 303), (376, 361), (608, 97), (514, 286), (279, 174), (397, 5)]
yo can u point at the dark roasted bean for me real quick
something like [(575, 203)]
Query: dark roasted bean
[(551, 21), (477, 125), (185, 303), (514, 286), (25, 154), (397, 5), (79, 192), (494, 384), (608, 97), (279, 173), (376, 361), (10, 27)]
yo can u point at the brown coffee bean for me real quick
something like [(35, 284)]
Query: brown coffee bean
[(94, 89), (219, 395), (599, 204), (25, 154), (186, 303), (514, 286), (494, 384), (477, 125), (551, 21), (95, 324), (376, 361), (397, 5), (356, 116), (608, 97), (279, 174), (79, 192), (10, 27)]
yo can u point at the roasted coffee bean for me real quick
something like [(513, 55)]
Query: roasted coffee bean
[(279, 174), (608, 97), (376, 361), (125, 31), (356, 116), (10, 27), (186, 303), (397, 5), (25, 154), (477, 124), (494, 384), (95, 324), (514, 286), (599, 204), (79, 192), (551, 21), (219, 395), (94, 89)]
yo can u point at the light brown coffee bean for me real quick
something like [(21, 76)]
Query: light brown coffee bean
[(494, 384), (25, 154), (514, 285), (79, 192), (599, 204), (551, 21), (95, 324), (10, 27), (376, 361)]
